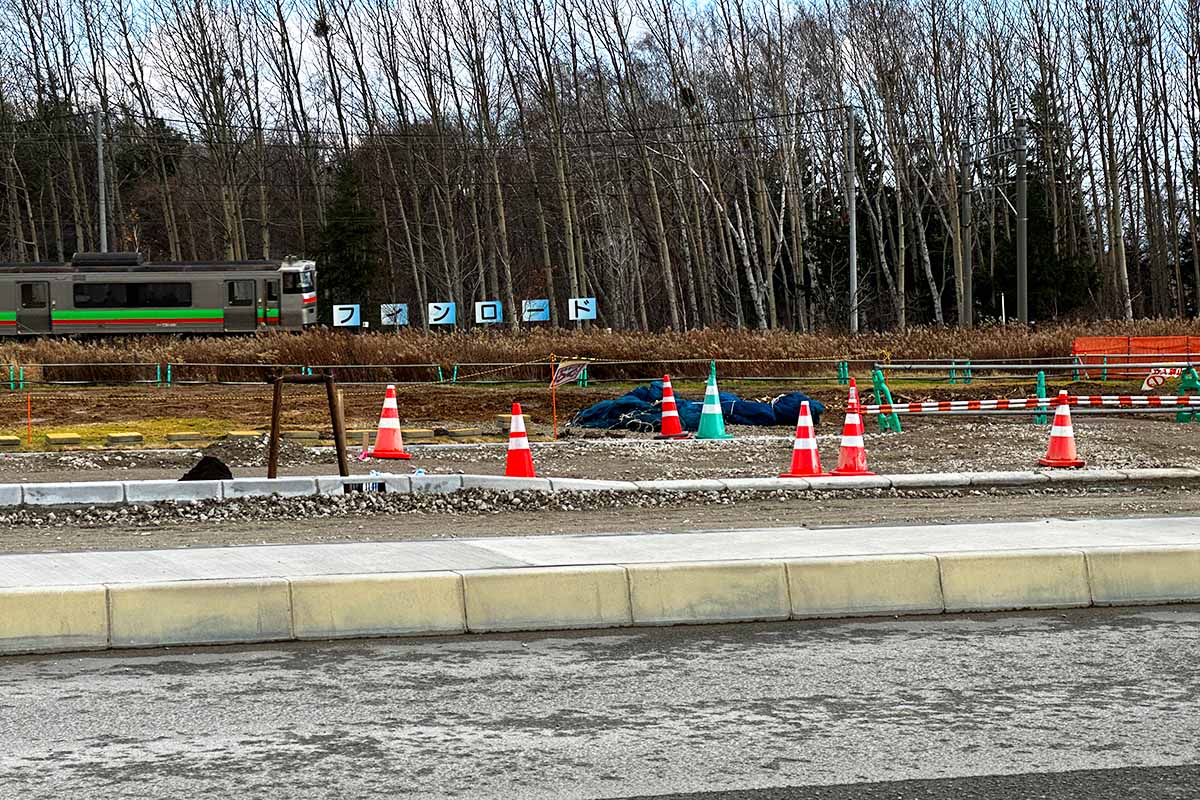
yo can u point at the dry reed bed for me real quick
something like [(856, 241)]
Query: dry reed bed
[(319, 347)]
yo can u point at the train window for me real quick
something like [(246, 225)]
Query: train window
[(133, 295), (273, 291), (241, 293), (34, 295), (298, 282)]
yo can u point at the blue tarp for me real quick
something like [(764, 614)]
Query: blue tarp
[(640, 410)]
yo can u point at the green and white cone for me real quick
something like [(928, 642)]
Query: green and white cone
[(712, 423)]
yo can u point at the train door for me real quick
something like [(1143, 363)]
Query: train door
[(272, 294), (33, 307), (241, 305)]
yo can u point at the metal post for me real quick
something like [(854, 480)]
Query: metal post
[(852, 207), (966, 311), (1022, 226), (100, 182)]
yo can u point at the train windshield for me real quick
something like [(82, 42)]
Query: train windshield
[(299, 282)]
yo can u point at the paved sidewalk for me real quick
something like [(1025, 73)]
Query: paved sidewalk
[(55, 602), (218, 563)]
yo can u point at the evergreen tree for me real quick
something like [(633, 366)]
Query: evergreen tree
[(345, 253)]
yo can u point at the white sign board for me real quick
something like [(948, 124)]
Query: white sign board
[(347, 316)]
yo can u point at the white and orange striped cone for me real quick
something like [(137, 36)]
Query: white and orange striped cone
[(1061, 452), (520, 460), (671, 427), (806, 461), (388, 442), (852, 457)]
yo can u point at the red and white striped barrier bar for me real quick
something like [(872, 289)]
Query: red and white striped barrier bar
[(1036, 404)]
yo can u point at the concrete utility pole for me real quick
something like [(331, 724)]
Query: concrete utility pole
[(852, 204), (1022, 225), (966, 311), (101, 183)]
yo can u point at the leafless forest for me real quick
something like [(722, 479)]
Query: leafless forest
[(686, 163)]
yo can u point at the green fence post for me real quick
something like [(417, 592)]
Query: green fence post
[(967, 375), (1189, 384), (1041, 419), (843, 373), (440, 378), (21, 378), (581, 381), (1075, 373), (953, 373), (454, 375), (883, 396), (158, 374), (168, 373), (1104, 370), (11, 385)]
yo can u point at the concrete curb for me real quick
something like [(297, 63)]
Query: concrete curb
[(108, 493), (440, 602)]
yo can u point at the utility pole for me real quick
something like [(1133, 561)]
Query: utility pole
[(1022, 225), (100, 182), (852, 204), (966, 311)]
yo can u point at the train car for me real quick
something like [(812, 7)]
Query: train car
[(117, 293)]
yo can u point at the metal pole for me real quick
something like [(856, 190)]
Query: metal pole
[(1022, 226), (852, 204), (966, 310), (273, 444), (101, 183), (339, 428)]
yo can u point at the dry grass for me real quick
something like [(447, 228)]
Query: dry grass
[(326, 347)]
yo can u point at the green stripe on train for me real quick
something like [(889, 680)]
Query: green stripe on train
[(141, 313), (8, 316)]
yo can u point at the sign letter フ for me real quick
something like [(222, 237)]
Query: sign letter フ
[(442, 314), (582, 308), (393, 314), (489, 311), (346, 316), (535, 310)]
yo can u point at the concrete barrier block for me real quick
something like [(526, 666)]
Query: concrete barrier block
[(10, 494), (581, 485), (60, 439), (171, 491), (766, 484), (128, 437), (199, 612), (10, 442), (53, 619), (466, 433), (336, 484), (1162, 474), (82, 493), (435, 484), (709, 592), (849, 482), (1085, 476), (1136, 575), (245, 436), (864, 585), (930, 480), (265, 487), (186, 436), (416, 434), (301, 436), (1014, 579), (1018, 478), (700, 485), (500, 483), (547, 598), (337, 606)]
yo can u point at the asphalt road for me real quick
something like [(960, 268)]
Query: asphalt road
[(1095, 704)]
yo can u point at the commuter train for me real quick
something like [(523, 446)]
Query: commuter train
[(110, 293)]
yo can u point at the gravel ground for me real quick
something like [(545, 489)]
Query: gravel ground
[(475, 514), (927, 445)]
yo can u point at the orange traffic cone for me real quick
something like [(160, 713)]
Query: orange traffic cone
[(806, 461), (388, 442), (520, 460), (671, 429), (852, 458), (1062, 438)]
